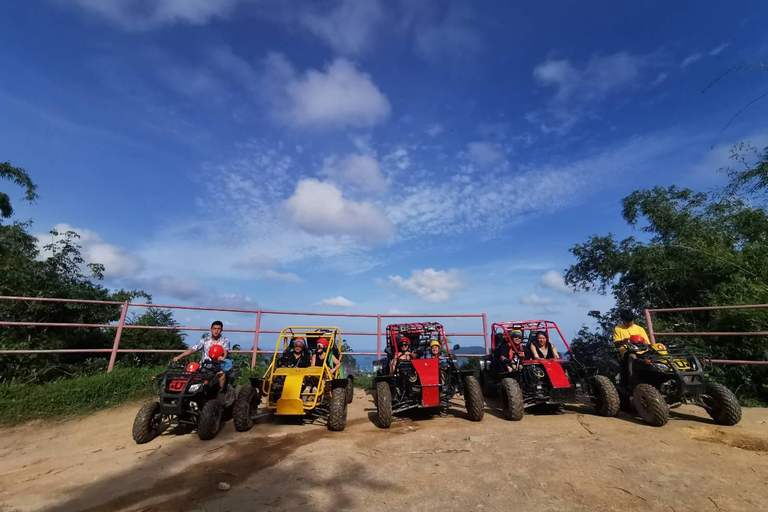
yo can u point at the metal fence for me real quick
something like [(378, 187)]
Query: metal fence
[(652, 334), (257, 331)]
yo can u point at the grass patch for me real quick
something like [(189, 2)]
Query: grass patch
[(75, 396)]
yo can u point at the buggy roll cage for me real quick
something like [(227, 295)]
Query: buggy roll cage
[(531, 326), (311, 335), (416, 331)]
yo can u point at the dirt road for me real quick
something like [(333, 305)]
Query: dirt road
[(568, 461)]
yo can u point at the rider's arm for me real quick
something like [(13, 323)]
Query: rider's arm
[(336, 364), (188, 352)]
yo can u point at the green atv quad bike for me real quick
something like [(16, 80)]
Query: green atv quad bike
[(665, 378)]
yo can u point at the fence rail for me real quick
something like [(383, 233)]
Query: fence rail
[(257, 331), (652, 334)]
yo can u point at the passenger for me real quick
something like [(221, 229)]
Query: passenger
[(320, 354), (541, 348), (206, 343), (406, 354), (628, 332), (435, 352)]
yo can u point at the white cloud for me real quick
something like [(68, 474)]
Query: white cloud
[(318, 207), (485, 153), (434, 129), (430, 284), (287, 277), (577, 89), (719, 49), (337, 302), (535, 300), (691, 59), (234, 301), (338, 96), (554, 281), (117, 263), (143, 15), (659, 78), (359, 170), (348, 27)]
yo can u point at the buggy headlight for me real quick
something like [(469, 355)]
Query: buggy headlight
[(377, 367), (195, 387)]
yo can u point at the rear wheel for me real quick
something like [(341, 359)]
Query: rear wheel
[(512, 399), (210, 420), (605, 396), (350, 390), (146, 426), (244, 409), (384, 404), (337, 416), (721, 404), (650, 404), (473, 398)]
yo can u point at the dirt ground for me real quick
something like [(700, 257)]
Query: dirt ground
[(548, 461)]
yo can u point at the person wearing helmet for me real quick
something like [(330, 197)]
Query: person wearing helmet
[(404, 352), (511, 354), (625, 334), (435, 352), (318, 359), (297, 355)]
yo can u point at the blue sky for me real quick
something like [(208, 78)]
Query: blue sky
[(366, 156)]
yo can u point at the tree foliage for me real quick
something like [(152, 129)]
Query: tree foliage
[(20, 177), (692, 249)]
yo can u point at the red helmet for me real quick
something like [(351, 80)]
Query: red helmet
[(323, 342), (405, 340), (193, 367), (300, 340), (215, 352), (636, 338)]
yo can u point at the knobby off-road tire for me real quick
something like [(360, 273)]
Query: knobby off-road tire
[(210, 420), (147, 423), (350, 390), (384, 404), (473, 398), (244, 408), (337, 416), (512, 399), (650, 405), (489, 390), (606, 398), (725, 408)]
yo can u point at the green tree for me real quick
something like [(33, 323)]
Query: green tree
[(20, 177), (696, 249), (158, 339)]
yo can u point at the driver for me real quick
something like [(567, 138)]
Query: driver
[(406, 354), (206, 344), (299, 357), (625, 333), (512, 355), (436, 353)]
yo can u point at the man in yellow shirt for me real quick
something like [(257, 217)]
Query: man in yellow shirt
[(622, 334)]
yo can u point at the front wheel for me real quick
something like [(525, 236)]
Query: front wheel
[(146, 426), (650, 404), (473, 398), (244, 409), (210, 420), (605, 396), (337, 416), (384, 404), (512, 401), (721, 404)]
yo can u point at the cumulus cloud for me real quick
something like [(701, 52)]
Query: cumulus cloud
[(554, 281), (143, 14), (577, 88), (318, 207), (287, 277), (535, 300), (359, 170), (348, 26), (485, 153), (430, 284), (336, 302), (117, 262), (338, 96)]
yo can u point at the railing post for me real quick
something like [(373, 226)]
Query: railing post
[(256, 340), (116, 345), (378, 337), (649, 322), (485, 333)]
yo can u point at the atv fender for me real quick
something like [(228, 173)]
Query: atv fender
[(338, 383)]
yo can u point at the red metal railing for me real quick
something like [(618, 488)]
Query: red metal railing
[(257, 331), (652, 334)]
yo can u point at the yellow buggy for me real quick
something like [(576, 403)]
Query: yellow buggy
[(291, 387)]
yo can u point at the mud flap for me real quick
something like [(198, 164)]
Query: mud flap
[(429, 377), (555, 373)]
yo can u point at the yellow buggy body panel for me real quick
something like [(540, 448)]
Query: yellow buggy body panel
[(285, 387)]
